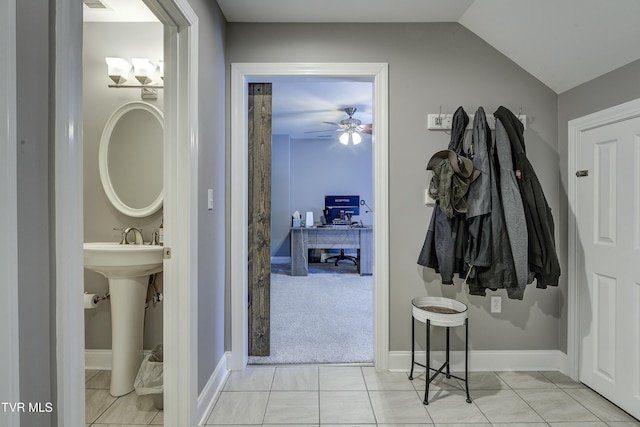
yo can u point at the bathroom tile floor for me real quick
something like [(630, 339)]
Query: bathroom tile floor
[(349, 395), (104, 410)]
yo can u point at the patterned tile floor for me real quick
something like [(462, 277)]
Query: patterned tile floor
[(347, 395), (104, 410)]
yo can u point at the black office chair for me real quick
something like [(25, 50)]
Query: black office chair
[(341, 257)]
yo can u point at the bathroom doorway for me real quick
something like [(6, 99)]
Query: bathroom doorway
[(242, 74), (125, 34), (181, 92)]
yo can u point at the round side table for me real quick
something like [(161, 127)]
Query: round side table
[(445, 312)]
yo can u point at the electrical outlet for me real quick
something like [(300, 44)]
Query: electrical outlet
[(496, 304)]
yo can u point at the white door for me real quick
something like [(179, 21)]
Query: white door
[(608, 220)]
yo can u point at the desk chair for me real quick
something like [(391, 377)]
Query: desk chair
[(341, 257)]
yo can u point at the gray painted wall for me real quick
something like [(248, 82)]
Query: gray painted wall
[(326, 167), (36, 288), (432, 65), (316, 168), (212, 174), (125, 40), (280, 195), (609, 90)]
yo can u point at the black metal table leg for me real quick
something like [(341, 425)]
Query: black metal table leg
[(428, 364), (466, 358), (413, 345), (448, 371)]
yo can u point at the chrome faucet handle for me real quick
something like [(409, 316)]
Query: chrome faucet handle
[(137, 232), (155, 238), (123, 238)]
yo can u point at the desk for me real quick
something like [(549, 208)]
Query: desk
[(303, 239)]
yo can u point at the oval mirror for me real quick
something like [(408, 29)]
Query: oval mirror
[(130, 159)]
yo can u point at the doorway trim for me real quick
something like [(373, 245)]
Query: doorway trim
[(180, 218), (243, 73), (9, 355), (618, 113)]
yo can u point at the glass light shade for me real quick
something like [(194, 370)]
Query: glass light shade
[(118, 69), (344, 138), (143, 69), (356, 138), (161, 68)]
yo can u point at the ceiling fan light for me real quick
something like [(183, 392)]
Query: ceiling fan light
[(344, 138), (357, 139)]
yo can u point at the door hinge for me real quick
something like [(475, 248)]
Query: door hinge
[(582, 173), (166, 252)]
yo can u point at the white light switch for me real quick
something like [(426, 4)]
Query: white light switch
[(210, 199), (496, 304), (427, 198)]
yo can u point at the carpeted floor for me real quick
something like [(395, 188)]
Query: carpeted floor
[(325, 317)]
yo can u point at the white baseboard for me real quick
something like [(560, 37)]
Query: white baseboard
[(211, 390), (280, 259), (502, 360), (99, 360)]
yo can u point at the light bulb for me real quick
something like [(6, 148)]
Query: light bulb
[(143, 69), (118, 69), (357, 139), (344, 138)]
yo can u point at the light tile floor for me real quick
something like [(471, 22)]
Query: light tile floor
[(104, 410), (348, 395)]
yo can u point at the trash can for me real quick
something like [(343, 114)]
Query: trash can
[(149, 379)]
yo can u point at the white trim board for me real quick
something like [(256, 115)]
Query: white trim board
[(625, 111), (243, 73), (9, 318), (485, 360)]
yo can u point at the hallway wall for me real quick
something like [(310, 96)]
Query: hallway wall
[(431, 66)]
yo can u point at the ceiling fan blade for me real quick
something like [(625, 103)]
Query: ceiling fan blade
[(318, 131), (332, 123), (366, 129)]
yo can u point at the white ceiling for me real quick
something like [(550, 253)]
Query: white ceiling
[(119, 11), (563, 43)]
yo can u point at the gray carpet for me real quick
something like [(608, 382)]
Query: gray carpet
[(325, 317)]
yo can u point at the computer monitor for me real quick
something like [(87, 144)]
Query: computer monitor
[(341, 207)]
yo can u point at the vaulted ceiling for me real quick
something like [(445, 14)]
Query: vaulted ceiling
[(563, 43)]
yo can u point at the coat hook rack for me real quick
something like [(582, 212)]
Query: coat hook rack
[(443, 121)]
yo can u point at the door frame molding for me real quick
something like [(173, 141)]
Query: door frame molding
[(618, 113), (9, 319), (243, 73), (180, 218)]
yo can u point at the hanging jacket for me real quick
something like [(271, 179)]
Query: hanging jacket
[(478, 249), (542, 256), (443, 247), (500, 273), (514, 217)]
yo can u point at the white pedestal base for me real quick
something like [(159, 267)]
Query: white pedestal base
[(128, 298)]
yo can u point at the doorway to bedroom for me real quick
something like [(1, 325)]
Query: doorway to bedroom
[(321, 308)]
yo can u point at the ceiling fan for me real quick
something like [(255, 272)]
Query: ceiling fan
[(351, 128)]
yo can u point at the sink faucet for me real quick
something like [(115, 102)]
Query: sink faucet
[(136, 232)]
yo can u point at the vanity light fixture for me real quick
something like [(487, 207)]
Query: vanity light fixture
[(144, 71), (118, 69)]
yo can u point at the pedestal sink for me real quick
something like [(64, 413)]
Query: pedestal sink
[(128, 268)]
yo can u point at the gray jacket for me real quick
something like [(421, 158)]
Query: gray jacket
[(490, 228), (512, 206)]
